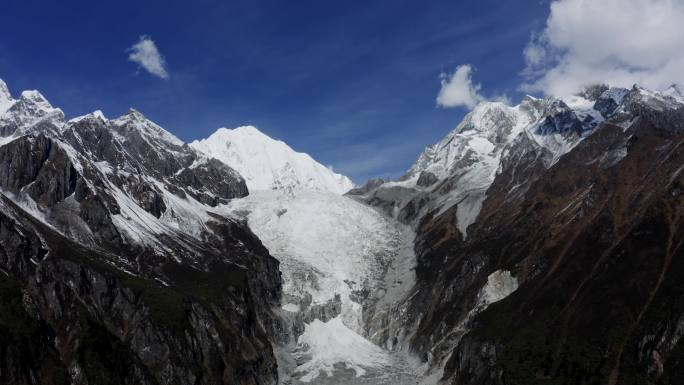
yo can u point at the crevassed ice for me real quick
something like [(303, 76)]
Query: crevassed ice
[(332, 342), (328, 245)]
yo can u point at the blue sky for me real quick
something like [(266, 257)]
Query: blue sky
[(352, 83)]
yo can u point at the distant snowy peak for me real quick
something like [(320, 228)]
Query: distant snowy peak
[(460, 168), (269, 164), (552, 123), (468, 159), (31, 112), (6, 100), (135, 123), (675, 91), (99, 115)]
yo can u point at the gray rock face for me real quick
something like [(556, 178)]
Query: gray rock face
[(218, 180), (132, 147), (608, 102), (559, 119), (427, 179), (158, 334), (37, 164), (594, 92), (372, 184), (664, 111)]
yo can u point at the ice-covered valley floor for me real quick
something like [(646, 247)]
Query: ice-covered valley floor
[(335, 253)]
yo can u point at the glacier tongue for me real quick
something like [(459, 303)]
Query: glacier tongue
[(332, 342), (330, 248), (269, 164)]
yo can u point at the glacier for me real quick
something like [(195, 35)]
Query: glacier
[(331, 246)]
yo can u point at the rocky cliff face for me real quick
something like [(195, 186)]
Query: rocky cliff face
[(114, 265), (567, 271)]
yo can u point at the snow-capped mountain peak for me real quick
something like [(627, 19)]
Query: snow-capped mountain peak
[(6, 100), (460, 168), (464, 164), (30, 112), (270, 164), (150, 182), (135, 122), (36, 98), (97, 114), (675, 91)]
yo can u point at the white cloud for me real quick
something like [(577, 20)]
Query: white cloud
[(621, 42), (505, 99), (459, 90), (146, 54)]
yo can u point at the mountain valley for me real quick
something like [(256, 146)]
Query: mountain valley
[(535, 243)]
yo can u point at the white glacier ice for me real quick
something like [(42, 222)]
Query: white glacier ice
[(337, 237), (333, 342), (329, 245)]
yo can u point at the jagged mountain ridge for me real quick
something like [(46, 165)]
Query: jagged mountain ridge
[(110, 236), (461, 167), (560, 239), (152, 182), (268, 164), (26, 113)]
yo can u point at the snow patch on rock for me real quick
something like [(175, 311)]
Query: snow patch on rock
[(500, 284)]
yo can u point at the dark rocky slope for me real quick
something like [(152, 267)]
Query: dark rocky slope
[(592, 240), (96, 324), (113, 267), (596, 245)]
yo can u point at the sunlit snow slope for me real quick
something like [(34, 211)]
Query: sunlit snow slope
[(269, 164)]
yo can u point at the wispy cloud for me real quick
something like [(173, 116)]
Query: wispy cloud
[(621, 42), (146, 54), (458, 89)]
